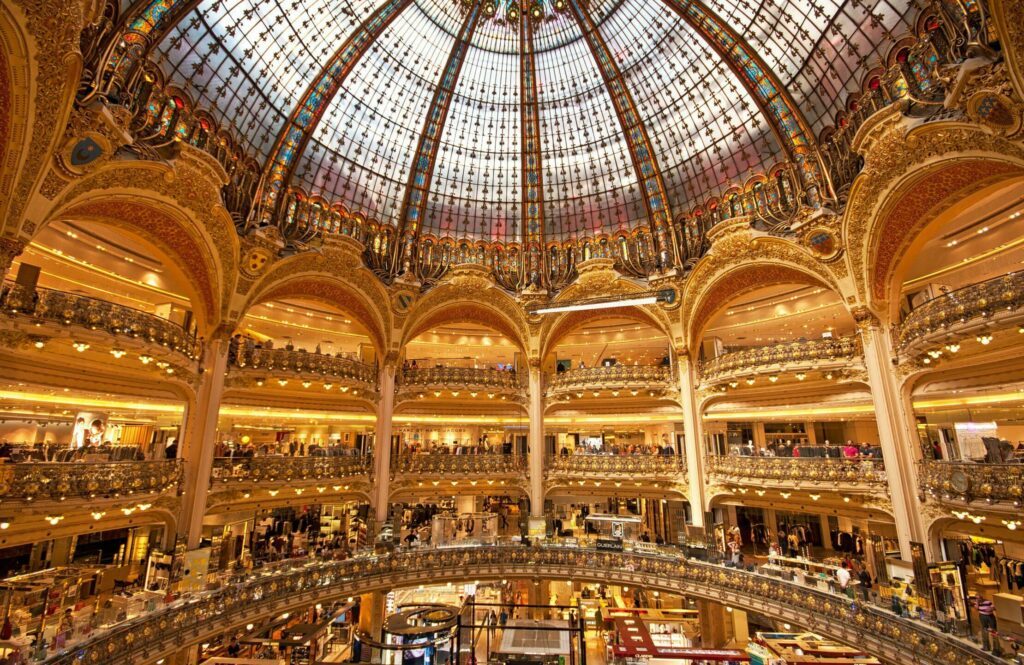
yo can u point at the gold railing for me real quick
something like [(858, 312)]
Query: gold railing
[(974, 303), (799, 470), (445, 464), (448, 377), (616, 376), (288, 469), (636, 467), (50, 481), (253, 597), (302, 363), (810, 354), (967, 481), (71, 309)]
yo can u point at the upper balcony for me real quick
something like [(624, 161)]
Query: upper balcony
[(794, 357), (458, 474), (649, 380), (943, 323), (641, 474), (258, 365), (51, 312), (984, 487), (262, 480), (423, 382), (814, 474)]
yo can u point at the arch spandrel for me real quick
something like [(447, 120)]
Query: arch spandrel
[(909, 177), (15, 86)]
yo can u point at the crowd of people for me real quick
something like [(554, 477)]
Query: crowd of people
[(292, 448), (789, 448), (664, 448)]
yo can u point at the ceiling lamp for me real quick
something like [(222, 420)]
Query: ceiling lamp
[(773, 378), (145, 360), (750, 381), (952, 347), (800, 376), (118, 353), (306, 384), (733, 384), (328, 386), (282, 382), (935, 353), (39, 343), (80, 346), (985, 339), (667, 296)]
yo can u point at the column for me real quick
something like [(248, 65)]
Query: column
[(199, 432), (382, 442), (896, 436), (536, 440), (691, 432), (9, 249)]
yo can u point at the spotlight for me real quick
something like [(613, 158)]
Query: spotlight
[(80, 346), (118, 353), (952, 347), (985, 339), (145, 360)]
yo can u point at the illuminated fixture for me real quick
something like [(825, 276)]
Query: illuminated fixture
[(328, 386), (773, 378), (306, 384), (785, 495), (273, 492), (39, 343), (145, 360), (282, 382), (98, 515), (80, 346), (733, 384), (800, 376), (54, 519), (750, 381), (935, 353), (664, 296), (814, 497), (828, 376), (344, 389), (455, 393), (118, 353), (259, 382), (952, 347), (985, 339), (5, 523), (1009, 524), (169, 370), (145, 506)]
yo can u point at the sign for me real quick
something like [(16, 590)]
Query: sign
[(609, 544)]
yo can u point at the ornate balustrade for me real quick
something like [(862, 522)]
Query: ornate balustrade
[(459, 377), (939, 320), (69, 309), (810, 354), (284, 362), (632, 466), (800, 471), (236, 480), (633, 378), (965, 482), (52, 481), (260, 595), (444, 465)]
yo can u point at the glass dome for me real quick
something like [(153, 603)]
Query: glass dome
[(250, 62)]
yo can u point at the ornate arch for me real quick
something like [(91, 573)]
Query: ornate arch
[(15, 88), (740, 262), (909, 178)]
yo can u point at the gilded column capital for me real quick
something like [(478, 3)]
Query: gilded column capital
[(9, 249)]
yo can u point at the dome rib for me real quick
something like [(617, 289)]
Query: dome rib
[(531, 162)]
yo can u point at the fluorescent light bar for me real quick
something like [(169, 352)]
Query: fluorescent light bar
[(627, 302)]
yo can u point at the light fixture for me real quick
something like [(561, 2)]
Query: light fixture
[(145, 360), (145, 506), (54, 519), (750, 381), (118, 353), (80, 346), (664, 295), (5, 523), (282, 382), (935, 353), (273, 492), (259, 382), (985, 339), (814, 497), (773, 378), (952, 347), (39, 343), (306, 384), (828, 375), (1009, 524), (328, 386), (800, 376), (785, 495), (98, 515)]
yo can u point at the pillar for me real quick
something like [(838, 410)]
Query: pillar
[(896, 434), (382, 442), (691, 432), (199, 431), (465, 504), (536, 440), (714, 624), (371, 622), (9, 249)]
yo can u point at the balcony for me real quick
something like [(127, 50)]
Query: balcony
[(425, 382), (967, 312), (639, 474), (845, 475), (258, 596), (457, 474), (989, 487), (255, 365), (42, 306), (798, 357), (648, 380), (42, 482), (275, 479)]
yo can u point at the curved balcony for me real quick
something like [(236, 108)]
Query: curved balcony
[(420, 382), (651, 380), (257, 364), (72, 310), (815, 354), (642, 474), (958, 314), (998, 487), (831, 474), (263, 594), (41, 482), (254, 479), (457, 474)]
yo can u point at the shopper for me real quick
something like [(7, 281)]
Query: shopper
[(987, 615), (864, 577), (843, 578)]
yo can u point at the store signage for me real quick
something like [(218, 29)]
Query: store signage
[(687, 653), (609, 544)]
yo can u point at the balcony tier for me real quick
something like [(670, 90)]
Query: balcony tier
[(817, 354)]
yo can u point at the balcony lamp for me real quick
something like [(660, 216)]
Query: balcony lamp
[(800, 376), (985, 339), (773, 378), (39, 343), (118, 353), (952, 347), (80, 346), (750, 381)]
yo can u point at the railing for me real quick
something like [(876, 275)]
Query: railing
[(616, 376), (74, 310), (302, 362), (460, 376), (251, 598), (635, 466), (799, 470), (49, 481), (967, 481), (288, 469), (945, 313), (443, 464), (809, 353)]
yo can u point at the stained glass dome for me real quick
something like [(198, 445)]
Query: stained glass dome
[(664, 88)]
